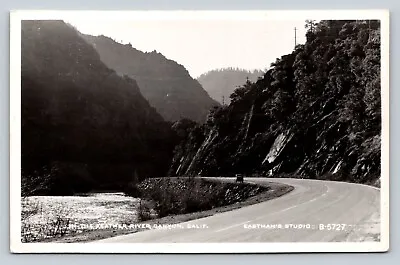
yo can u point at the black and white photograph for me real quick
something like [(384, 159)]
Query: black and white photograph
[(199, 131)]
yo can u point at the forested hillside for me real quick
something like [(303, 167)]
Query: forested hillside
[(83, 126), (220, 83), (316, 113), (166, 84)]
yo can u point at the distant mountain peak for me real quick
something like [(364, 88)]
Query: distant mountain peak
[(221, 82), (157, 77)]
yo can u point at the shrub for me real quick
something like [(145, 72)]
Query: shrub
[(187, 195), (144, 211)]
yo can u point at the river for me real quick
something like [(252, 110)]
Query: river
[(94, 209)]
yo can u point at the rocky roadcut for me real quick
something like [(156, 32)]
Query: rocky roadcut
[(316, 113)]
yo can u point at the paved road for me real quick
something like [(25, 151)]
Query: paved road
[(328, 211)]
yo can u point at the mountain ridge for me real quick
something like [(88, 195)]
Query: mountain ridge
[(220, 83), (166, 84), (83, 126)]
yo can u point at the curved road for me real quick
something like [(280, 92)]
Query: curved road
[(315, 211)]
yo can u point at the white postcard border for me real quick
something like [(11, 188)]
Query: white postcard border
[(16, 246)]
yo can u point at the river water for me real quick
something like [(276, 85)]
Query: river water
[(81, 211)]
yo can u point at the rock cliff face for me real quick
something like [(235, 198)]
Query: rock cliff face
[(315, 114), (166, 84)]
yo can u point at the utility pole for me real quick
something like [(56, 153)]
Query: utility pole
[(295, 37)]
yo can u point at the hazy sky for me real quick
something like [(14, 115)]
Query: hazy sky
[(203, 44)]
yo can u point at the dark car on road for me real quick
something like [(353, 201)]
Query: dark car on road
[(239, 178)]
